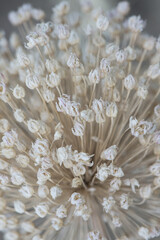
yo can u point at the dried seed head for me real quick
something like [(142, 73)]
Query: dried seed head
[(55, 192), (79, 112), (129, 82)]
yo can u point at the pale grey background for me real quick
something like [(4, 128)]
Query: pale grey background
[(148, 9)]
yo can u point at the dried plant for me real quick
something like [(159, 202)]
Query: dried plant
[(79, 126)]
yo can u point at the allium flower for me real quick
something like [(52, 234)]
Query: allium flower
[(79, 126)]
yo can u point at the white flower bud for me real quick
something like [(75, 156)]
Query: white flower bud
[(88, 30), (41, 147), (62, 31), (116, 221), (73, 38), (98, 106), (12, 223), (129, 82), (76, 182), (142, 92), (136, 24), (25, 11), (76, 199), (55, 192), (9, 139), (109, 153), (108, 203), (22, 160), (115, 184), (155, 169), (26, 191), (83, 211), (123, 7), (4, 180), (32, 81), (116, 95), (105, 65), (124, 201), (33, 125), (19, 206), (154, 71), (94, 77), (58, 132), (37, 237), (37, 14), (14, 40), (131, 53), (43, 191), (8, 153), (42, 210), (87, 115), (145, 192), (74, 19), (117, 172), (61, 212), (133, 183), (53, 80), (143, 232), (140, 128), (48, 95), (4, 125), (68, 107), (17, 177), (19, 115), (27, 227), (73, 61), (95, 235), (111, 49), (23, 61), (112, 110), (44, 28), (62, 155), (78, 128), (102, 23), (11, 235), (78, 170), (120, 56), (149, 43), (14, 18), (102, 172), (86, 6), (61, 8), (57, 223), (19, 92), (52, 65), (43, 176)]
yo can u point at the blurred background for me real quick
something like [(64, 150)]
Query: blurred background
[(148, 9)]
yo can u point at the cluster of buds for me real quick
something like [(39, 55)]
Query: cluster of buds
[(79, 125)]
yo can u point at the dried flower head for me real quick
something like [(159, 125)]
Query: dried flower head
[(79, 126)]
